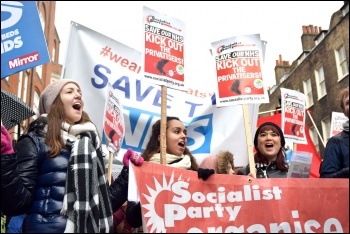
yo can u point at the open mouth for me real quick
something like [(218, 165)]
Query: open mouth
[(77, 106)]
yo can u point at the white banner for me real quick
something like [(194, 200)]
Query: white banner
[(94, 60)]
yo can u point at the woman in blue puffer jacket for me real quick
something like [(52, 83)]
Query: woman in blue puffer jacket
[(57, 174)]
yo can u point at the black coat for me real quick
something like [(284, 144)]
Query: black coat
[(271, 171)]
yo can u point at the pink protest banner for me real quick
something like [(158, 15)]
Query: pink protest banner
[(175, 200)]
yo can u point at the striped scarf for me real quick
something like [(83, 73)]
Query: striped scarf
[(86, 201)]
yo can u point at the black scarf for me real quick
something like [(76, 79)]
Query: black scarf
[(86, 201)]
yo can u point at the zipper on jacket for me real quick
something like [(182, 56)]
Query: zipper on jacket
[(265, 175), (265, 171)]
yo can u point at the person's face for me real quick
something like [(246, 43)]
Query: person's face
[(269, 143), (176, 137), (72, 103), (346, 105)]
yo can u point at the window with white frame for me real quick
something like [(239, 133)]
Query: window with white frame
[(39, 70), (55, 77), (20, 83), (326, 129), (36, 104), (314, 138), (321, 84), (342, 64), (42, 21), (308, 93), (25, 86), (53, 54)]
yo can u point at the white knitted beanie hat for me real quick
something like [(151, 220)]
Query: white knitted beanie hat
[(50, 94)]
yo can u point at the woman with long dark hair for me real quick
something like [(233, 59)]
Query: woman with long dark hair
[(177, 155)]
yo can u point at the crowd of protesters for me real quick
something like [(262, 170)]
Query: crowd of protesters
[(42, 195)]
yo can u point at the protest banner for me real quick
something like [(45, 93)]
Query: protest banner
[(163, 60), (238, 62), (175, 200), (113, 121), (300, 165), (163, 57), (239, 70), (113, 127), (23, 43), (338, 119), (94, 60), (293, 115)]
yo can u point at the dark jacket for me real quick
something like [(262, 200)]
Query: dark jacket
[(335, 162), (133, 214), (34, 183), (270, 171)]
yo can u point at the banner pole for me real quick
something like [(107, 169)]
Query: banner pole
[(294, 147), (312, 120), (109, 170), (249, 139), (265, 112), (163, 122)]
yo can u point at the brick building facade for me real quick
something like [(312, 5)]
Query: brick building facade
[(320, 72), (29, 84)]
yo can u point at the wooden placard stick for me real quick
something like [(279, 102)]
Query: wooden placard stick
[(163, 122), (249, 139)]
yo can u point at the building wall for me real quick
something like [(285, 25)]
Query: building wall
[(323, 54), (24, 84)]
